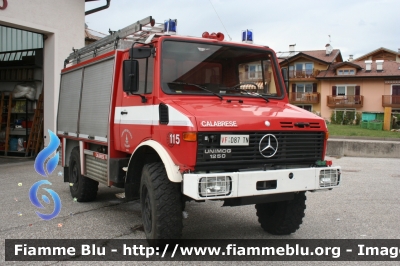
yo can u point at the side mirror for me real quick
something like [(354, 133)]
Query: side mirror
[(131, 75), (140, 52)]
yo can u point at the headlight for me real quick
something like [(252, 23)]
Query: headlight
[(215, 186), (329, 178)]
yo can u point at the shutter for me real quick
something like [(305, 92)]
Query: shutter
[(95, 100), (314, 87), (333, 90), (293, 87), (357, 90), (68, 107)]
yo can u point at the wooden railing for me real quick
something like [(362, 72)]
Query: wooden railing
[(355, 101), (311, 73), (391, 101), (304, 97)]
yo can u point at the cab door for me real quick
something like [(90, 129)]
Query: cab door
[(135, 111)]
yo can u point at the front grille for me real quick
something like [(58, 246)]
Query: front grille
[(298, 148), (290, 125), (314, 125)]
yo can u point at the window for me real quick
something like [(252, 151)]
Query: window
[(291, 71), (395, 94), (299, 67), (306, 87), (341, 90), (345, 90), (254, 71), (285, 74), (302, 69), (346, 72), (396, 90), (209, 69), (305, 107), (142, 75), (285, 77), (304, 92), (253, 74), (346, 94), (309, 68), (302, 89)]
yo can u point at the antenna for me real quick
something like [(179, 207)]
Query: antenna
[(220, 20), (329, 38)]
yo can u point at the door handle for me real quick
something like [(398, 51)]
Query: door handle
[(124, 112)]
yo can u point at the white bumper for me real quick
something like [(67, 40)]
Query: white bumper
[(244, 184)]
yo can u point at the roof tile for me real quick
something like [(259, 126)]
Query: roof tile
[(390, 69)]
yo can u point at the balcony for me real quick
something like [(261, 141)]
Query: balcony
[(345, 101), (391, 101), (303, 74), (304, 97), (255, 76)]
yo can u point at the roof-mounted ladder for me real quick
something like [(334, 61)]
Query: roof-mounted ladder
[(136, 32)]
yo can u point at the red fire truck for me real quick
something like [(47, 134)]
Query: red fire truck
[(175, 118)]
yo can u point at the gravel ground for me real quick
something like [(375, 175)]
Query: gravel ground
[(366, 206)]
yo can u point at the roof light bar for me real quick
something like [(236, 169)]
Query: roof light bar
[(218, 36)]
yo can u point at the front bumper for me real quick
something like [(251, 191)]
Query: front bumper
[(256, 183)]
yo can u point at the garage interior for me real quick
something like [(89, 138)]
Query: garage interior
[(21, 92)]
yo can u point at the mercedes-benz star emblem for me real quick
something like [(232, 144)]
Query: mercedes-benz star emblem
[(268, 145)]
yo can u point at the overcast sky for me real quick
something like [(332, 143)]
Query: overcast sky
[(355, 27)]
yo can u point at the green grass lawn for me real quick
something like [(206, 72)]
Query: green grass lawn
[(354, 131)]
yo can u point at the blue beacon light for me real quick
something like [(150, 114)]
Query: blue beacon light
[(247, 36), (170, 26)]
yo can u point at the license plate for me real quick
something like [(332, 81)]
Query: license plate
[(234, 140)]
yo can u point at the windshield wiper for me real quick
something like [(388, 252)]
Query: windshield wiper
[(248, 93), (196, 85)]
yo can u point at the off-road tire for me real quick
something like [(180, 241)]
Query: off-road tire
[(283, 217), (82, 188), (161, 205)]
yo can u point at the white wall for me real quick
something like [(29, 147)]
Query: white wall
[(62, 21)]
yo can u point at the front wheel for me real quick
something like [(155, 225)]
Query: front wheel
[(283, 217), (161, 204)]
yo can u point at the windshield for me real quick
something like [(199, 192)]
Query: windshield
[(199, 68)]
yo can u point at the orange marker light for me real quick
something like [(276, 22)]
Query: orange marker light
[(189, 136)]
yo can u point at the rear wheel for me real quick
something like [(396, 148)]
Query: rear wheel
[(161, 205), (284, 217), (81, 187)]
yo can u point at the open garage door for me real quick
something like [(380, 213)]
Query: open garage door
[(21, 85)]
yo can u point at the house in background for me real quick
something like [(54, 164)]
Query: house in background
[(321, 82), (370, 83), (91, 35), (381, 54), (300, 71)]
